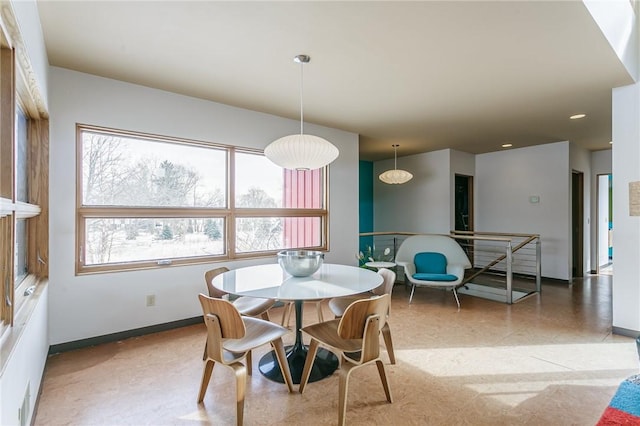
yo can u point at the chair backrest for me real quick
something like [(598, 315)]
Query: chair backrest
[(388, 280), (363, 319), (430, 263), (223, 321), (444, 244), (209, 276), (353, 321)]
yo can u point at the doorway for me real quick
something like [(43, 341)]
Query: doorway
[(577, 224), (463, 203), (605, 224), (463, 210)]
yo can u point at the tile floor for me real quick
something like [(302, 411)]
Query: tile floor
[(550, 359)]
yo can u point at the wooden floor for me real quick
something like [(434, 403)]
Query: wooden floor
[(549, 359)]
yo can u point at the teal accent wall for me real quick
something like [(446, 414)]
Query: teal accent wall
[(366, 203)]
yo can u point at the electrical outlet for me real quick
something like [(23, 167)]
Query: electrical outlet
[(151, 300)]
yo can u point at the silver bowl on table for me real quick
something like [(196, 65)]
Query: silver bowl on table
[(300, 263)]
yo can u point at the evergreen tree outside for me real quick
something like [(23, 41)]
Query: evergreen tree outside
[(212, 230), (166, 234)]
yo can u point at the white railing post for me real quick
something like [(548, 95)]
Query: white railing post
[(538, 265), (509, 278)]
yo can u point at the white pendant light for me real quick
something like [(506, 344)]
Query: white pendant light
[(395, 176), (300, 151)]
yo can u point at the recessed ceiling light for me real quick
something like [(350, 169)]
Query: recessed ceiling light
[(577, 116), (507, 145)]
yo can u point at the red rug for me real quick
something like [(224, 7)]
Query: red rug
[(624, 408)]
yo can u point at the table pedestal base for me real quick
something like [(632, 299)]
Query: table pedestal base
[(324, 365)]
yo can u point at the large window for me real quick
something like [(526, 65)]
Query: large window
[(23, 189), (147, 201)]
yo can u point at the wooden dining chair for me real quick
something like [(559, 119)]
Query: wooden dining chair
[(230, 338), (248, 306), (357, 337), (339, 304)]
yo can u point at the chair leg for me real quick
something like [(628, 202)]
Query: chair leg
[(206, 376), (345, 372), (388, 343), (286, 314), (383, 378), (241, 385), (306, 371), (319, 309), (249, 363), (278, 346), (413, 288), (455, 294)]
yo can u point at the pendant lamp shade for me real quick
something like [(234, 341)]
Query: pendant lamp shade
[(395, 176), (300, 151)]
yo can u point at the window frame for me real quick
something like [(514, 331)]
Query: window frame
[(229, 214), (19, 95)]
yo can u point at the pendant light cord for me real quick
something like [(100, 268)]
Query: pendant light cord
[(395, 156), (301, 96)]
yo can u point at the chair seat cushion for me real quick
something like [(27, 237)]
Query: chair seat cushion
[(434, 277), (430, 263), (252, 306)]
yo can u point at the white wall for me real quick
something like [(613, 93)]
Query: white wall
[(420, 205), (25, 365), (504, 182), (99, 304), (626, 229), (600, 165), (580, 161)]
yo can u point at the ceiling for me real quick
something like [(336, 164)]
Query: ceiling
[(467, 75)]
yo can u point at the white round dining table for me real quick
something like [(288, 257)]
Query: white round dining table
[(271, 281)]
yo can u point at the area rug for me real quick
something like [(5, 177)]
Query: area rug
[(624, 408), (492, 293)]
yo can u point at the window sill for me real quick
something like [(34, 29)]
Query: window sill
[(11, 336)]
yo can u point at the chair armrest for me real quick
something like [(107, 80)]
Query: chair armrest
[(456, 269), (409, 268)]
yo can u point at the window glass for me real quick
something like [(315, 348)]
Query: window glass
[(262, 184), (303, 189), (21, 156), (116, 240), (20, 252), (127, 171), (255, 234), (147, 199), (259, 182)]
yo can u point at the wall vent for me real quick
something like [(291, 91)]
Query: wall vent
[(25, 409)]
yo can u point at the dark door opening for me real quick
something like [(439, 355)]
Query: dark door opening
[(577, 225), (464, 210), (463, 203)]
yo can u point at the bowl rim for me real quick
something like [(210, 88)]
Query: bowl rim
[(300, 253)]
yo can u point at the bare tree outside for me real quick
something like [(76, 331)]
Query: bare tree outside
[(121, 172), (257, 234)]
